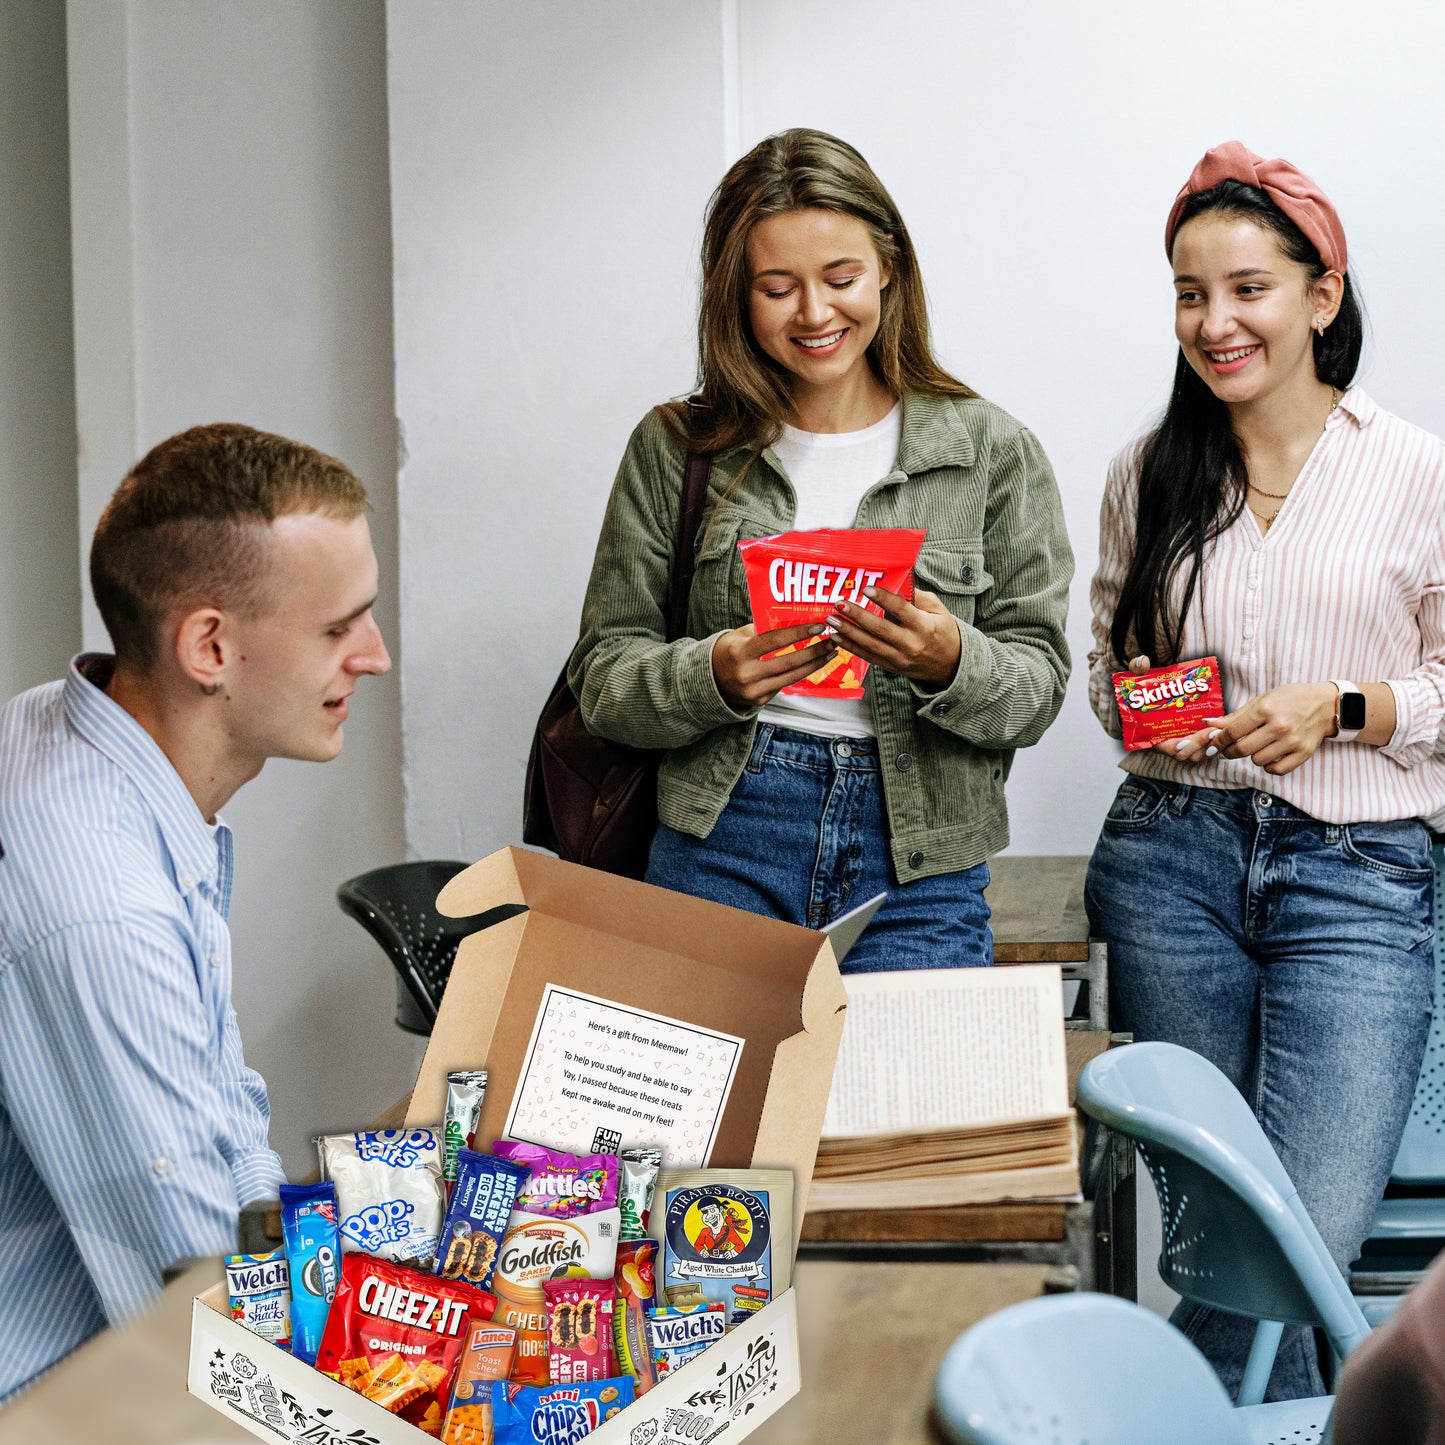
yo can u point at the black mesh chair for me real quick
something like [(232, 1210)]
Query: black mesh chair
[(397, 906)]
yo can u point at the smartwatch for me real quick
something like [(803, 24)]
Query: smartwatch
[(1349, 711)]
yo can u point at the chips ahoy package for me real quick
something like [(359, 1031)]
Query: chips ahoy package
[(799, 577), (1168, 702)]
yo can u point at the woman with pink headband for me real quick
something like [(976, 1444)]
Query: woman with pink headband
[(1264, 884)]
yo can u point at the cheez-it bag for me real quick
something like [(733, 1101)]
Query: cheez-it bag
[(800, 577), (396, 1336)]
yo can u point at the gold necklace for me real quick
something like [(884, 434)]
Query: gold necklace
[(1280, 496)]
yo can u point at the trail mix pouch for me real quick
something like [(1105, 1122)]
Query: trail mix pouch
[(559, 1184), (477, 1217), (1168, 702), (636, 1282), (466, 1089), (719, 1229), (389, 1194), (798, 577), (396, 1336), (260, 1286), (488, 1356), (579, 1329), (313, 1251), (555, 1414), (538, 1248)]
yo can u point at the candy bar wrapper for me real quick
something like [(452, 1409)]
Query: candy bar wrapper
[(466, 1089), (556, 1414), (798, 577), (1168, 702), (540, 1248), (389, 1194), (559, 1184), (489, 1353), (638, 1181), (579, 1329), (718, 1231), (477, 1217), (636, 1281), (679, 1333), (260, 1286), (396, 1336), (313, 1251)]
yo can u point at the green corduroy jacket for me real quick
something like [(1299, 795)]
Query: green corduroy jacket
[(996, 554)]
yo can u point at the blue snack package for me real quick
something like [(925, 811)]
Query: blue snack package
[(476, 1222), (313, 1251), (555, 1414)]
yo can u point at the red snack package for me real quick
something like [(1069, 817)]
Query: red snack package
[(396, 1336), (490, 1352), (1168, 702), (798, 577), (579, 1329)]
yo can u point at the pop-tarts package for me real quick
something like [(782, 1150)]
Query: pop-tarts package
[(313, 1251), (389, 1193), (718, 1229)]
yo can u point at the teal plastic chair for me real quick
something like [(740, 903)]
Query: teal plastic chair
[(1089, 1369), (1235, 1233)]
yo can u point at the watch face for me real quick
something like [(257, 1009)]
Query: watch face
[(1352, 711)]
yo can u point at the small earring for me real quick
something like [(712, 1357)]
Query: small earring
[(1320, 325), (212, 690)]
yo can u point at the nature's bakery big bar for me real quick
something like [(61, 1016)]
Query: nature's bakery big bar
[(621, 1028)]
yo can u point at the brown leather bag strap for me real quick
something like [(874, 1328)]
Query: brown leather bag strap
[(694, 495)]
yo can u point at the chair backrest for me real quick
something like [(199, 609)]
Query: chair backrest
[(397, 906), (1421, 1159), (1081, 1369), (1235, 1232)]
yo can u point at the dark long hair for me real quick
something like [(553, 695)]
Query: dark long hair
[(744, 396), (1192, 474)]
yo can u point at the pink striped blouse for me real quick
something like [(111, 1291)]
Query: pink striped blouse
[(1349, 582)]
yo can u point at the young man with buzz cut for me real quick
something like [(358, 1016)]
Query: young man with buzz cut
[(234, 572)]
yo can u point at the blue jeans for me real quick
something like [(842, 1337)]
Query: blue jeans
[(804, 837), (1296, 956)]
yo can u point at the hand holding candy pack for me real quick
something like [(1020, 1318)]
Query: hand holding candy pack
[(1167, 702), (798, 577)]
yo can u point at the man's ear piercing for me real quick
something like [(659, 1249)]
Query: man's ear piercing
[(212, 690)]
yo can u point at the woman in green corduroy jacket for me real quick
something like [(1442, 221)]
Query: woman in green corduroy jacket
[(822, 405)]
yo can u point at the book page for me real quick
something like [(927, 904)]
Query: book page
[(942, 1048)]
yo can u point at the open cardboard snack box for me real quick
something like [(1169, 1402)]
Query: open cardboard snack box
[(610, 1013)]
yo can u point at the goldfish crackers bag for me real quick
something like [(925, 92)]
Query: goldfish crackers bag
[(1168, 702), (798, 577)]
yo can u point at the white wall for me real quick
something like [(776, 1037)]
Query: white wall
[(39, 574), (549, 167), (233, 262)]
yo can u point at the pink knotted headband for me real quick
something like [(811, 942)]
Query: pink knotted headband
[(1290, 189)]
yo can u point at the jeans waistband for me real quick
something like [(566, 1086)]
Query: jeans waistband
[(1241, 802), (807, 750)]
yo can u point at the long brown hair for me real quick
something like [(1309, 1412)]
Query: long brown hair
[(744, 396)]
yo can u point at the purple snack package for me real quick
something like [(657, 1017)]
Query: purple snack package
[(561, 1185), (476, 1221)]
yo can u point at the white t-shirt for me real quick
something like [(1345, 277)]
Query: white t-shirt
[(830, 472)]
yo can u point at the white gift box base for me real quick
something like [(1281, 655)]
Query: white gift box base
[(724, 1394)]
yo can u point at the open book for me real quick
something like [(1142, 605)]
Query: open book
[(951, 1088)]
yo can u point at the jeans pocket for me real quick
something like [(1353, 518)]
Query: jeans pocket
[(1137, 805), (1399, 849)]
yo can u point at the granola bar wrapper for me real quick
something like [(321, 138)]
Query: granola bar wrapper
[(798, 577), (1168, 702), (396, 1336), (579, 1329)]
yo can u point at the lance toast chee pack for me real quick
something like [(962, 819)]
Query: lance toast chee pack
[(1168, 702), (798, 577)]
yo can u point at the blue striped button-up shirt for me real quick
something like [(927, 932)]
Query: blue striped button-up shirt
[(131, 1130)]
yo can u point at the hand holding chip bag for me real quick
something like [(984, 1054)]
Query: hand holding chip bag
[(797, 578)]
